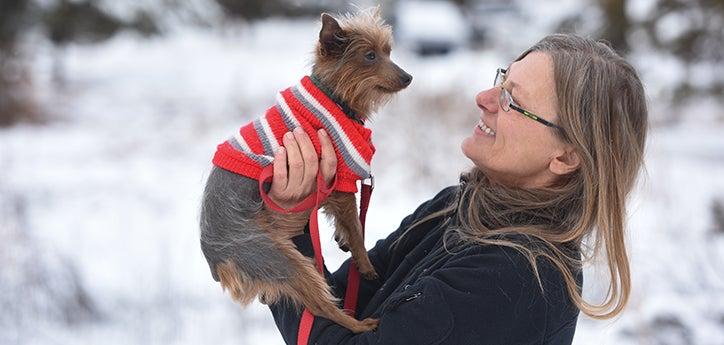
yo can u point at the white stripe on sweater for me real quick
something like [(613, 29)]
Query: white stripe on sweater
[(269, 134), (242, 142), (356, 156), (287, 111)]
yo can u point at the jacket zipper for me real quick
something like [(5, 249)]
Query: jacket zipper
[(414, 296)]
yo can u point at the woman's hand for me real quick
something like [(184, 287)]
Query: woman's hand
[(296, 166)]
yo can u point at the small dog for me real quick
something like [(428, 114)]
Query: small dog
[(247, 246)]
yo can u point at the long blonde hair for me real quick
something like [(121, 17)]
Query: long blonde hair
[(602, 109)]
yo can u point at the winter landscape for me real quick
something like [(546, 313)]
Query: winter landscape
[(99, 198)]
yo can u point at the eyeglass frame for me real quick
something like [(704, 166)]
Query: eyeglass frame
[(512, 105)]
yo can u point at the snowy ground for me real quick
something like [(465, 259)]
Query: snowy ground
[(111, 186)]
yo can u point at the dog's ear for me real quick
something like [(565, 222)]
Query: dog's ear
[(332, 38)]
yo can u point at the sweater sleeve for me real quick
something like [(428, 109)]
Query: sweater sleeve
[(287, 317), (486, 296)]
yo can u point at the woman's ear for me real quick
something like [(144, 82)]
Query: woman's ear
[(565, 162)]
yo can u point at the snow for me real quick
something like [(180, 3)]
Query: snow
[(112, 184), (436, 21)]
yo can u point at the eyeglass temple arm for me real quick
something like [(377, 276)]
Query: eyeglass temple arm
[(534, 116)]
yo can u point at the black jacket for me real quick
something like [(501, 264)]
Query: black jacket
[(471, 294)]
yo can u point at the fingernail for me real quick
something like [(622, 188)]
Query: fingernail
[(298, 130), (289, 135), (322, 132)]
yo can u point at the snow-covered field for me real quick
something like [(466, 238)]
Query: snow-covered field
[(103, 200)]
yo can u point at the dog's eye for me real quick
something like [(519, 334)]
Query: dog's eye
[(371, 56)]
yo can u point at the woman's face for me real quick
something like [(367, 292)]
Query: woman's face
[(518, 151)]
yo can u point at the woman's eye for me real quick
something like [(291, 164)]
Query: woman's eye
[(371, 56)]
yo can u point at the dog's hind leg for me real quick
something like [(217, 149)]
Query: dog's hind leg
[(311, 290), (306, 287)]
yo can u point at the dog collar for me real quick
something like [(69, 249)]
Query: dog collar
[(342, 104)]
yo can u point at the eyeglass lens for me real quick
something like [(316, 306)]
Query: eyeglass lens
[(504, 98), (498, 77)]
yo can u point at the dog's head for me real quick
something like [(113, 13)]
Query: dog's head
[(353, 60)]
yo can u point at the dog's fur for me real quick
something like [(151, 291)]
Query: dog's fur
[(248, 247)]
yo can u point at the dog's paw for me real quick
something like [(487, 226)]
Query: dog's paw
[(367, 325), (370, 275)]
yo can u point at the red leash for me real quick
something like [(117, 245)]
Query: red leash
[(350, 295), (314, 201)]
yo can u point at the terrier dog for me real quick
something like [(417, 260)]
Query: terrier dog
[(248, 246)]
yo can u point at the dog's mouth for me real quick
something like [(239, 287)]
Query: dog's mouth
[(393, 85), (386, 89)]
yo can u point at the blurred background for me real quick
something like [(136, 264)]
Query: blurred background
[(110, 112)]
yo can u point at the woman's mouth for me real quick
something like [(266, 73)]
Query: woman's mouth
[(485, 129)]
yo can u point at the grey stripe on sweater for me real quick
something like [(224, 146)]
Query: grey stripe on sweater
[(333, 133), (286, 117), (261, 159), (263, 138)]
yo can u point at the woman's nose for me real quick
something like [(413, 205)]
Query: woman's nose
[(487, 100)]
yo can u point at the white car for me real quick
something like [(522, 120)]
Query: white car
[(430, 27)]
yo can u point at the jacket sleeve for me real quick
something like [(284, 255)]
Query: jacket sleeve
[(287, 316), (478, 297)]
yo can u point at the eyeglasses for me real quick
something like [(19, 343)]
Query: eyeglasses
[(507, 102)]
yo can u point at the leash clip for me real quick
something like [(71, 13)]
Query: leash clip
[(371, 180)]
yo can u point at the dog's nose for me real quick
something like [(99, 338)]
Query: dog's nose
[(405, 79)]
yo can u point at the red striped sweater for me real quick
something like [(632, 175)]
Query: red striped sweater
[(304, 105)]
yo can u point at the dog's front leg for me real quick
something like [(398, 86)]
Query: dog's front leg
[(348, 233)]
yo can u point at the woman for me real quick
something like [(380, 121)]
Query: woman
[(497, 259)]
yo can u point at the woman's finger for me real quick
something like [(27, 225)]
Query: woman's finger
[(311, 161), (279, 183), (329, 157), (295, 163)]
